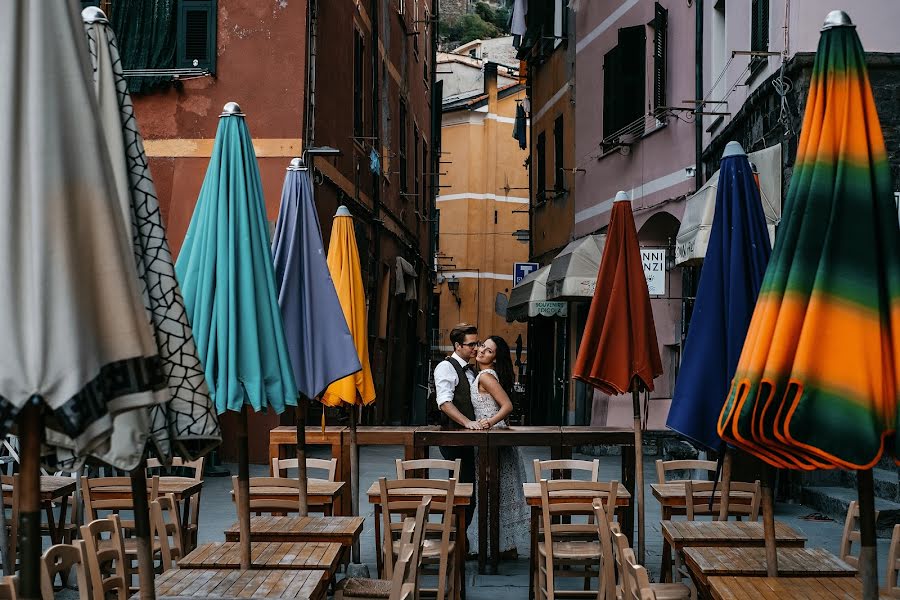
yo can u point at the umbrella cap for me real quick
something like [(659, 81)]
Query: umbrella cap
[(342, 211), (622, 196), (733, 149), (92, 14), (837, 18), (296, 165), (232, 109)]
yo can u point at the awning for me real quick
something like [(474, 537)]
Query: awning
[(573, 273), (529, 299), (693, 235)]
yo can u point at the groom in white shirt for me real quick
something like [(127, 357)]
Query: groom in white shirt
[(453, 379)]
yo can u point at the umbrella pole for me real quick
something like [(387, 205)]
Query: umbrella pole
[(638, 468), (30, 433), (725, 485), (4, 539), (142, 530), (354, 476), (243, 495), (768, 510), (301, 454), (868, 559)]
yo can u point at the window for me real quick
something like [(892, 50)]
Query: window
[(358, 57), (416, 175), (428, 181), (660, 25), (402, 126), (759, 33), (559, 22), (541, 169), (196, 42), (559, 182), (624, 83)]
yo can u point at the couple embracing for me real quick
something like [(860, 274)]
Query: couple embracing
[(477, 396)]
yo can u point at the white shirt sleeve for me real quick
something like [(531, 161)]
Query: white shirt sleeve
[(445, 380)]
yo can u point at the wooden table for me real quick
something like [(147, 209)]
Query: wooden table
[(234, 583), (462, 497), (180, 487), (316, 556), (339, 530), (54, 489), (672, 497), (793, 588), (533, 499), (706, 562), (379, 436), (685, 534), (319, 493)]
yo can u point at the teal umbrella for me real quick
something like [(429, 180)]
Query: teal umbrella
[(228, 282)]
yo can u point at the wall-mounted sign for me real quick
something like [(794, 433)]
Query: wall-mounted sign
[(654, 263), (521, 270)]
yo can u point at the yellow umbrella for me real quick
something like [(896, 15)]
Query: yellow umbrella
[(343, 263)]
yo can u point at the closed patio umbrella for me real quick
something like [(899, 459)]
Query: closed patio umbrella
[(319, 341), (619, 351), (76, 341), (228, 280), (816, 385)]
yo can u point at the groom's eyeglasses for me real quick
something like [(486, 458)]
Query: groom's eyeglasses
[(472, 344)]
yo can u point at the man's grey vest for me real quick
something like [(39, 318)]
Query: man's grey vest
[(462, 396)]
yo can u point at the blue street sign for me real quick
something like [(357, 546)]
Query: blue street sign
[(521, 270)]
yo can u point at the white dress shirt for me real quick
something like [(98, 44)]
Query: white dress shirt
[(445, 379)]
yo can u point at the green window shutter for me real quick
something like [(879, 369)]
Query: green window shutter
[(633, 93), (196, 46), (541, 169), (660, 27), (612, 70), (559, 181)]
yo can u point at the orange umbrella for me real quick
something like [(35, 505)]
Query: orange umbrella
[(619, 351)]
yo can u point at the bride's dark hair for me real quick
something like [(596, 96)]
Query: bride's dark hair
[(503, 364)]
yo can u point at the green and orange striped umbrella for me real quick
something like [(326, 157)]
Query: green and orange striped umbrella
[(817, 382)]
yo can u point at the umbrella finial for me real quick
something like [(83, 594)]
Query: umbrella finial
[(733, 149), (296, 165), (93, 14), (232, 109), (342, 211), (622, 196), (837, 18)]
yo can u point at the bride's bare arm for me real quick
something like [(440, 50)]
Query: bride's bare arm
[(493, 387)]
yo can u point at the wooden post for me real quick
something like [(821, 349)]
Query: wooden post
[(725, 485), (768, 508), (243, 496), (301, 454), (868, 558), (31, 432), (354, 476), (142, 531), (638, 467)]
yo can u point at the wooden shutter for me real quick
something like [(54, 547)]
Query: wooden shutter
[(759, 33), (541, 168), (633, 93), (612, 75), (358, 57), (196, 46), (660, 26), (559, 180), (402, 135)]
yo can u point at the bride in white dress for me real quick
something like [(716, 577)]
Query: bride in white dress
[(492, 404)]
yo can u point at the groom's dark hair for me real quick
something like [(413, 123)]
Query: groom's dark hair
[(458, 333)]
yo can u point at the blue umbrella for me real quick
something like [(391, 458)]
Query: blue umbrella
[(320, 344), (733, 271)]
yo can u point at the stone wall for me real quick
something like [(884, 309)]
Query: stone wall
[(454, 8)]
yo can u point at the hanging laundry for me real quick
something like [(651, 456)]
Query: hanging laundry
[(374, 162), (520, 128)]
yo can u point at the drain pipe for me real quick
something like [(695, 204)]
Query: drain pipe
[(698, 94)]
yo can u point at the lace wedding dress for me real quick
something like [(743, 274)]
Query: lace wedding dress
[(514, 513)]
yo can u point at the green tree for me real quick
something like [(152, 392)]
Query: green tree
[(498, 17), (466, 28)]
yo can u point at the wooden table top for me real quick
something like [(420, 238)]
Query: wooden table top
[(462, 494), (180, 486), (314, 487), (673, 494), (53, 486), (751, 562), (795, 588), (234, 583), (341, 530), (322, 556), (287, 434), (726, 533), (533, 495)]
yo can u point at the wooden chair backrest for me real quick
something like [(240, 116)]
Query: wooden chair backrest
[(167, 531), (638, 581), (328, 467), (418, 541), (406, 562), (280, 505), (591, 468), (9, 586), (697, 496), (893, 565), (177, 463), (11, 500), (96, 555), (62, 558), (664, 466), (605, 529), (851, 535), (426, 465), (96, 500), (623, 552)]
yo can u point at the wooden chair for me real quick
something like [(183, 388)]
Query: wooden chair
[(590, 468), (425, 465), (168, 532), (566, 545), (178, 464), (11, 503), (328, 467), (106, 556), (851, 535), (665, 466), (891, 587), (404, 582), (697, 500), (9, 585), (280, 505), (635, 587), (60, 560), (438, 547), (605, 529)]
